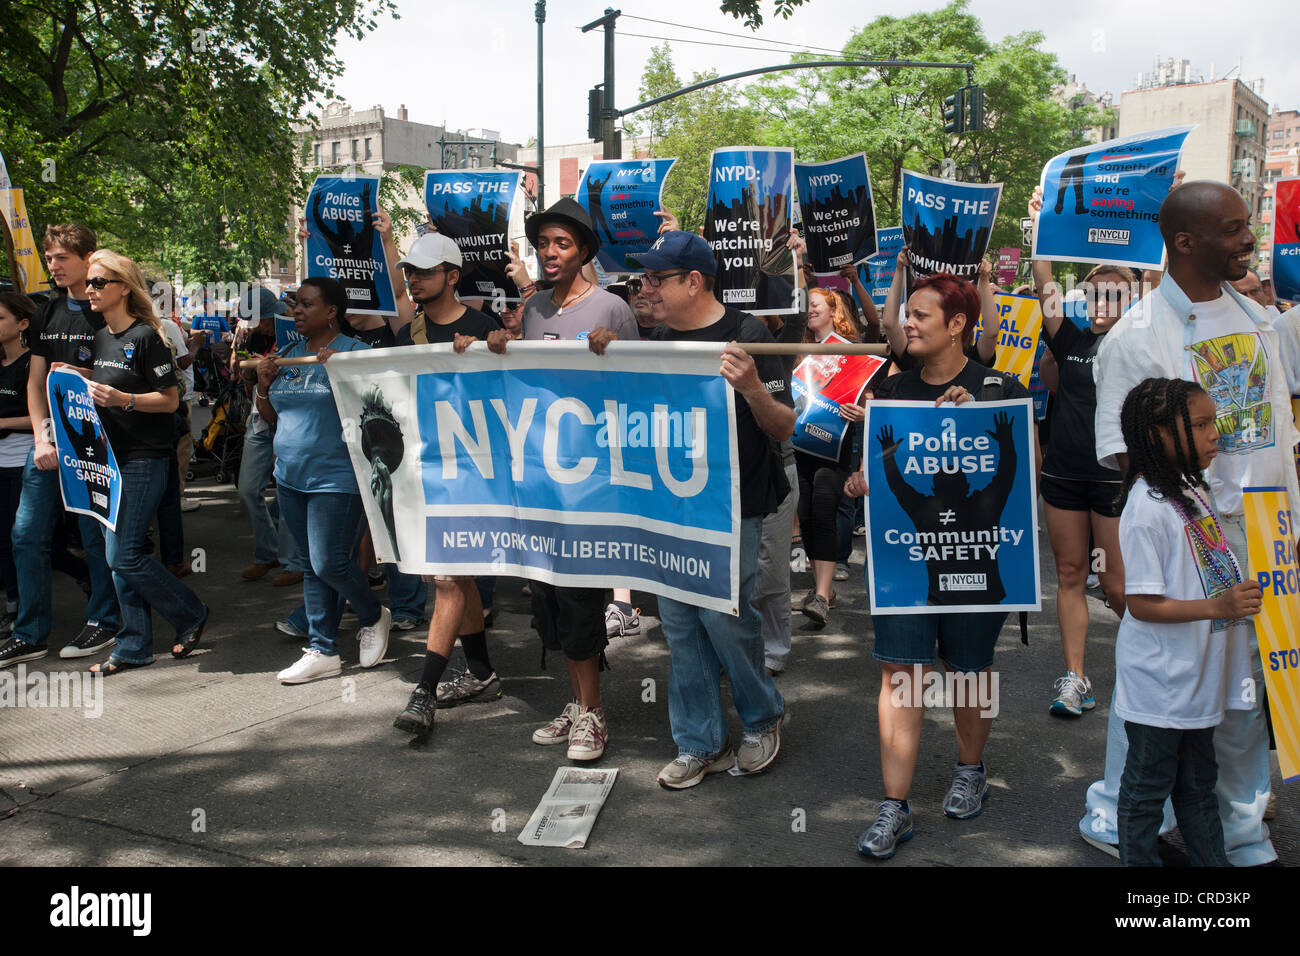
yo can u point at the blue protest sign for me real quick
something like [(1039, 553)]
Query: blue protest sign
[(474, 207), (342, 242), (88, 475), (952, 509), (839, 214), (550, 463), (622, 196), (747, 224), (1101, 203), (877, 273), (947, 224), (286, 333)]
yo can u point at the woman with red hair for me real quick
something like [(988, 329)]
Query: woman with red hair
[(941, 313), (821, 481)]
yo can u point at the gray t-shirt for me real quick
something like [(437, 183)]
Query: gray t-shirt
[(596, 310)]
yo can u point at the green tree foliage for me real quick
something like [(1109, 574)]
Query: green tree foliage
[(690, 128), (751, 11), (165, 125), (895, 115)]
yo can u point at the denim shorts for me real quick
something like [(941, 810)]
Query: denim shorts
[(965, 640)]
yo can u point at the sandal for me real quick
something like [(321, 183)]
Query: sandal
[(112, 666), (190, 639)]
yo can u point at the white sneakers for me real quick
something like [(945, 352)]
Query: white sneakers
[(374, 639), (314, 665)]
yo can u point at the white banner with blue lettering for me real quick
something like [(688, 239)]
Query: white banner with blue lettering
[(88, 475), (952, 512), (550, 463)]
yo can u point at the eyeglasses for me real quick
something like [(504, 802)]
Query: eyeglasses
[(413, 272), (99, 282), (655, 282)]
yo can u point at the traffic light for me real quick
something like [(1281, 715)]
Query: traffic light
[(976, 98), (595, 105), (954, 112)]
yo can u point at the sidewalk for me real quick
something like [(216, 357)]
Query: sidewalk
[(211, 760)]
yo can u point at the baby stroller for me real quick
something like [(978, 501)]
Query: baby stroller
[(219, 450)]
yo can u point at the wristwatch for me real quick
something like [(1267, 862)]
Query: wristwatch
[(130, 404)]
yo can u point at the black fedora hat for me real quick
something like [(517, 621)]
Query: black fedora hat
[(568, 213)]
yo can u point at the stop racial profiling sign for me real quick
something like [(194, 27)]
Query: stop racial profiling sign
[(952, 512)]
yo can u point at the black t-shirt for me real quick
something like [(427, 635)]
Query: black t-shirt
[(259, 344), (757, 454), (473, 322), (931, 513), (63, 330), (380, 337), (1072, 452), (135, 361), (13, 390)]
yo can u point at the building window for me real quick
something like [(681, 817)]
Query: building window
[(354, 151), (368, 152), (315, 154), (334, 153)]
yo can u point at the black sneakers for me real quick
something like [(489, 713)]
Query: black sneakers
[(92, 639), (14, 651), (418, 716)]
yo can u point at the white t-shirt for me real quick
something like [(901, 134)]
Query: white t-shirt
[(1175, 675), (177, 339), (1227, 358)]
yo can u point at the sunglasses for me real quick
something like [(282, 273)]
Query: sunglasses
[(415, 273), (634, 286), (99, 282), (1113, 296)]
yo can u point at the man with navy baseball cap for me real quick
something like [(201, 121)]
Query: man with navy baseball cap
[(680, 269)]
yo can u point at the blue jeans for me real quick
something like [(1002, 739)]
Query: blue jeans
[(40, 507), (142, 583), (324, 525), (700, 643), (407, 594), (1165, 763), (270, 543)]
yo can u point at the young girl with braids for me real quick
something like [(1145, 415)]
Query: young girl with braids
[(1182, 654)]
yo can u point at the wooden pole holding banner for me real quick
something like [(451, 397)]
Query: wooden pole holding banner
[(753, 348)]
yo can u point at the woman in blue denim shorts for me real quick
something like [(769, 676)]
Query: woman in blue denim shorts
[(941, 314)]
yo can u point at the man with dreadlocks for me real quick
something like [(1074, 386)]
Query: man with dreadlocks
[(1196, 327)]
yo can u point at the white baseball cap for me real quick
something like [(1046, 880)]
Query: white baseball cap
[(432, 250)]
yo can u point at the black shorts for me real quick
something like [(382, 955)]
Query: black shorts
[(1070, 494), (571, 620)]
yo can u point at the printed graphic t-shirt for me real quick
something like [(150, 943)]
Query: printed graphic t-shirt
[(63, 330), (1174, 675), (309, 450), (1226, 357), (135, 360)]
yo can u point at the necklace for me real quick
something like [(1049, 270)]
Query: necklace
[(573, 298), (1206, 548)]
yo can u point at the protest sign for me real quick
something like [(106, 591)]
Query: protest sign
[(1286, 239), (88, 475), (1101, 202), (952, 510), (550, 463), (839, 212), (474, 208), (622, 196), (342, 242), (286, 333), (947, 224), (31, 270), (747, 224), (1020, 322), (820, 385), (1037, 390), (1271, 538), (877, 273), (1008, 265)]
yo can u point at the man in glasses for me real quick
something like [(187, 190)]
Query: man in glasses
[(62, 330), (680, 273), (638, 298)]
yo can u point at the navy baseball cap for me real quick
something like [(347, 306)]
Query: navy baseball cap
[(677, 250)]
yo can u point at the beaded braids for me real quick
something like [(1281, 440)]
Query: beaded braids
[(1153, 404)]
